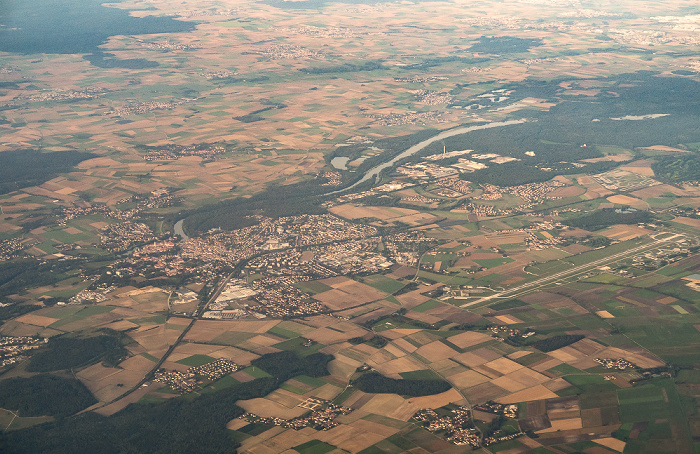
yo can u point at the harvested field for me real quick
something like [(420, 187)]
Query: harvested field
[(527, 377), (503, 365), (508, 319), (627, 200), (13, 328), (208, 330), (374, 427), (412, 299), (534, 393), (467, 379), (666, 300), (688, 221), (390, 405), (591, 417), (155, 338), (624, 232), (484, 392), (508, 384), (563, 424), (469, 339), (348, 211), (404, 345), (109, 383), (395, 351), (37, 320), (257, 443), (119, 405), (641, 167), (660, 190), (447, 367), (326, 392), (557, 385), (348, 294), (577, 249), (476, 357), (121, 325), (396, 366), (436, 351), (269, 408), (351, 438), (437, 400), (329, 336), (612, 443), (423, 337)]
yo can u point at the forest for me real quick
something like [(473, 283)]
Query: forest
[(183, 425), (285, 364), (177, 425), (44, 394), (64, 352), (275, 201), (374, 382), (606, 217), (555, 342), (676, 169), (503, 44), (16, 275), (24, 168)]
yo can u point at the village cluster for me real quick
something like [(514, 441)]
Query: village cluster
[(137, 108), (10, 247), (614, 363), (14, 349), (320, 419), (458, 426), (187, 381), (159, 198), (63, 95), (173, 151), (410, 118)]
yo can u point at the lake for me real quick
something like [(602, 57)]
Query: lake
[(72, 26)]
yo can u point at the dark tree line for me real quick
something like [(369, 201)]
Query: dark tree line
[(374, 382), (674, 169), (44, 395), (17, 275), (179, 425), (555, 342), (63, 352), (606, 217), (24, 168), (285, 365)]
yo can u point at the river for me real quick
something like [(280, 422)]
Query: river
[(177, 229), (375, 171)]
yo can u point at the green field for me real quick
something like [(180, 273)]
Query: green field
[(285, 333), (296, 345), (314, 447), (492, 263), (196, 360), (313, 287), (383, 283), (430, 304)]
